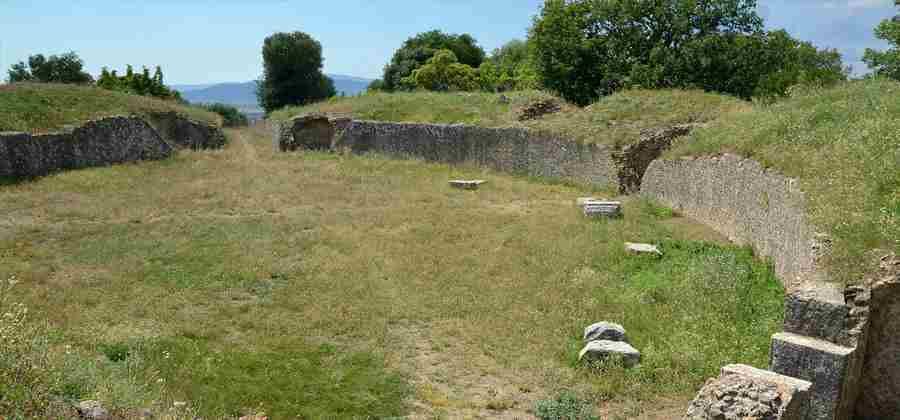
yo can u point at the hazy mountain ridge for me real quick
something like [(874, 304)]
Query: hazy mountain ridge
[(243, 95)]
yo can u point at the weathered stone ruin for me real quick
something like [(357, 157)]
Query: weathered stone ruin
[(837, 358), (103, 142)]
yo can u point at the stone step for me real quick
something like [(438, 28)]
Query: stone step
[(742, 392), (833, 371), (817, 311)]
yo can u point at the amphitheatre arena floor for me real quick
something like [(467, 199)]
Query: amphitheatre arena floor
[(317, 285)]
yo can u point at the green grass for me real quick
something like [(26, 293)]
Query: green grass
[(615, 120), (843, 144), (314, 285), (39, 107)]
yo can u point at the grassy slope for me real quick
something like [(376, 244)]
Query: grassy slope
[(844, 145), (315, 284), (33, 107), (617, 119)]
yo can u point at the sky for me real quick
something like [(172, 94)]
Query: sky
[(205, 41)]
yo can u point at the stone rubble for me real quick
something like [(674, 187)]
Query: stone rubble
[(743, 392), (642, 249), (604, 331), (601, 350)]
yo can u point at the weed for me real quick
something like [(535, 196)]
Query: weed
[(566, 406)]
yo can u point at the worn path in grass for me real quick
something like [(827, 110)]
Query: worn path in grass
[(316, 285)]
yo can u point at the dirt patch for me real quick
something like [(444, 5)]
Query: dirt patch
[(454, 381), (539, 109)]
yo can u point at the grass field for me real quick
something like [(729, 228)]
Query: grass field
[(41, 107), (319, 286), (843, 144), (616, 120)]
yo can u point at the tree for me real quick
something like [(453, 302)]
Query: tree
[(513, 66), (443, 72), (65, 68), (417, 50), (138, 83), (231, 116), (292, 72), (585, 49), (886, 63)]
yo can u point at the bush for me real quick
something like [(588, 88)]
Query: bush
[(231, 116), (567, 406), (292, 73)]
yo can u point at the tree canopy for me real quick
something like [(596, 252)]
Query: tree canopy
[(886, 63), (65, 68), (585, 49), (443, 72), (292, 72), (418, 50)]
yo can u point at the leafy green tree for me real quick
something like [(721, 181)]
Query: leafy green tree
[(65, 68), (418, 50), (886, 63), (514, 66), (443, 72), (585, 49), (375, 86), (292, 72)]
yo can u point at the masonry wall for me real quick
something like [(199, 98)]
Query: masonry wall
[(745, 202), (102, 142)]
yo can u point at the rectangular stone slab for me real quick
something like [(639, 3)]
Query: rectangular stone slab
[(827, 366), (466, 185)]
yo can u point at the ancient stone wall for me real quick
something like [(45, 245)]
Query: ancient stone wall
[(745, 202), (185, 133), (100, 143), (510, 150)]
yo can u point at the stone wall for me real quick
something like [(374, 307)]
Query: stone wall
[(745, 202), (100, 143), (185, 133), (510, 150), (842, 340)]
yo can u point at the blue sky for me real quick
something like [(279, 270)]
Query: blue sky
[(203, 41)]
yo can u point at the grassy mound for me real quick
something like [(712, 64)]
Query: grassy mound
[(844, 145), (39, 107), (617, 119)]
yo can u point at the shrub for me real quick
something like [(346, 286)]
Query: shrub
[(292, 72), (231, 116), (567, 406)]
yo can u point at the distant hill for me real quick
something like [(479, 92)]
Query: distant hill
[(243, 95)]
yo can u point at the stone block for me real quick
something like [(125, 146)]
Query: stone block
[(604, 331), (642, 249), (609, 209), (466, 185), (879, 398), (829, 367), (816, 311), (601, 350), (744, 392)]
